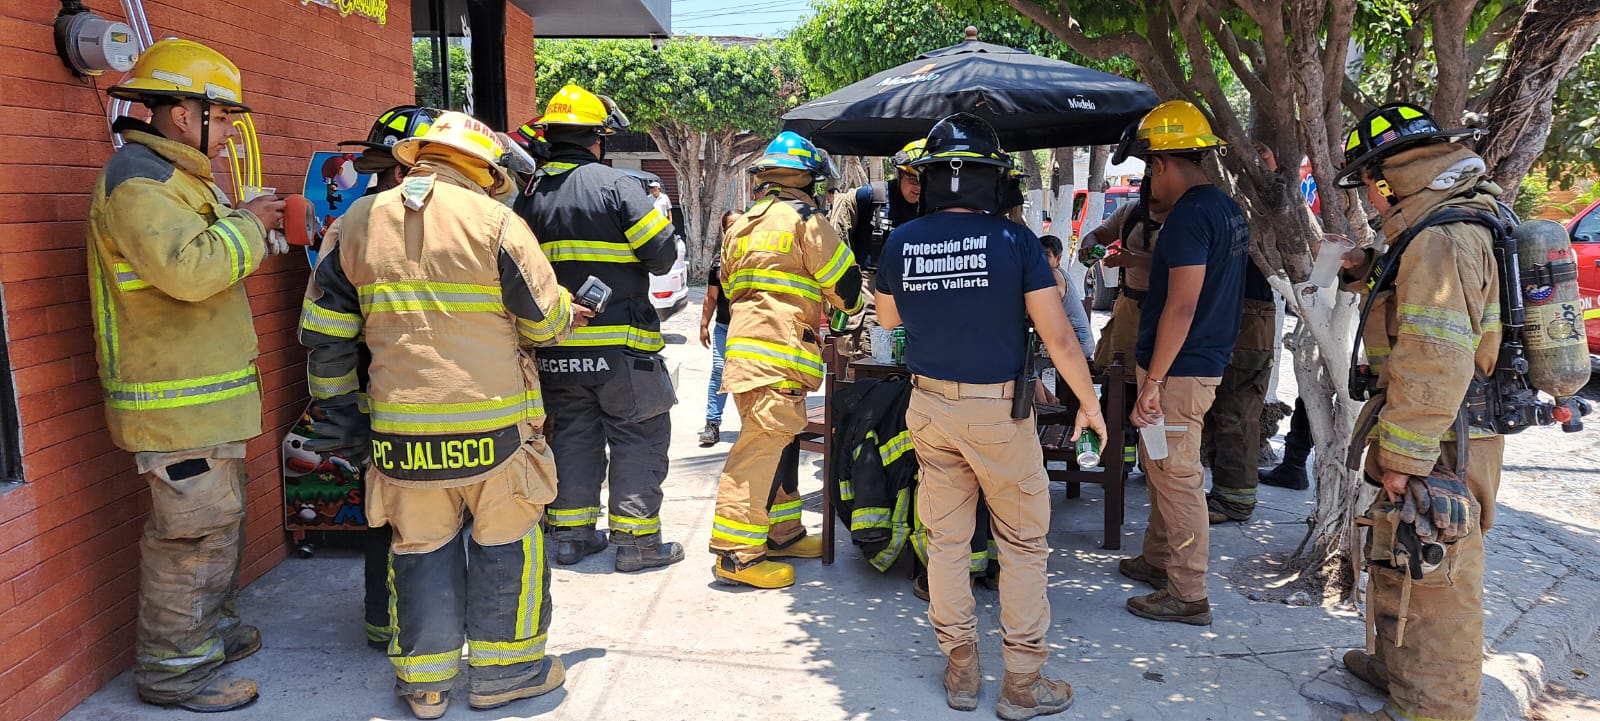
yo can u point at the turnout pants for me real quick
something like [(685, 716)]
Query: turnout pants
[(1178, 538), (967, 442), (1120, 335), (491, 589), (188, 568), (1436, 670), (743, 527), (617, 430), (1234, 422)]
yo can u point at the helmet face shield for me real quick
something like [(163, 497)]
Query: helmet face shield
[(615, 118)]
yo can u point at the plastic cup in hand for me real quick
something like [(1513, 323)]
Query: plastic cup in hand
[(882, 345), (248, 193), (1330, 258), (1155, 440)]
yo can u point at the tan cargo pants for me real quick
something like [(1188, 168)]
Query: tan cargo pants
[(1120, 335), (188, 568), (966, 441), (1438, 671), (1178, 538), (752, 508)]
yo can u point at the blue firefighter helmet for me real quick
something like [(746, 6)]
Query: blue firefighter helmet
[(789, 150)]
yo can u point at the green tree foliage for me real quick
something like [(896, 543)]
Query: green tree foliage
[(709, 108), (425, 71)]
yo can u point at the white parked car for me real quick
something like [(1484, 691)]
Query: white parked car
[(668, 291)]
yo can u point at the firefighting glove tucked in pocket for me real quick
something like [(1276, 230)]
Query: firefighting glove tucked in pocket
[(1444, 499), (339, 428)]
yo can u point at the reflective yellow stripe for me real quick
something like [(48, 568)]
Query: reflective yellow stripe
[(428, 296), (530, 595), (331, 387), (394, 611), (1591, 313), (238, 250), (177, 661), (593, 336), (1443, 324), (864, 518), (428, 667), (635, 526), (1491, 317), (738, 531), (554, 321), (761, 351), (105, 313), (377, 634), (896, 447), (836, 266), (847, 491), (570, 517), (647, 227), (781, 512), (505, 653), (774, 280), (127, 279), (473, 417), (331, 323), (898, 532), (596, 251), (180, 393), (1395, 439)]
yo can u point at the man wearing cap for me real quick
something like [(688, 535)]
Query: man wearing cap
[(659, 197), (176, 345), (449, 291), (1187, 327), (607, 387)]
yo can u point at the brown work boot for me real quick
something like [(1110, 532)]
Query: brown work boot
[(1140, 570), (1026, 695), (221, 693), (240, 642), (1368, 668), (554, 676), (428, 704), (1163, 606), (962, 679)]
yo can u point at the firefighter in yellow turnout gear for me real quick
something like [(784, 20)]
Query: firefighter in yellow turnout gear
[(1430, 329), (449, 290), (168, 255), (781, 261)]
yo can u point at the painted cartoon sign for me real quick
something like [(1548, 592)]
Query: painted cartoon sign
[(332, 185)]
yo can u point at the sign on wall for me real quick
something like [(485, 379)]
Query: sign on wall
[(376, 9)]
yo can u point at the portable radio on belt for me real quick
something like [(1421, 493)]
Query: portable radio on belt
[(593, 294)]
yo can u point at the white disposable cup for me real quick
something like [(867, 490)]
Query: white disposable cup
[(248, 193), (1155, 440), (1330, 258), (882, 345)]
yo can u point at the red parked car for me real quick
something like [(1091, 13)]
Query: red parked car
[(1585, 231)]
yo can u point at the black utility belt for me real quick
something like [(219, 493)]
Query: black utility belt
[(443, 457), (1134, 294)]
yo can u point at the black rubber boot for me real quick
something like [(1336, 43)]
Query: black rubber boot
[(573, 549), (1291, 473), (710, 435), (647, 552)]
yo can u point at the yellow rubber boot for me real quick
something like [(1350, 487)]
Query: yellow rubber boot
[(805, 547), (766, 574)]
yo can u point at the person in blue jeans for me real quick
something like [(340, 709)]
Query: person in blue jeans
[(715, 337)]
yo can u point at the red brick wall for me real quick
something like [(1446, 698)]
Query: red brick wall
[(522, 102), (69, 536)]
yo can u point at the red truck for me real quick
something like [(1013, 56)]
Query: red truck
[(1585, 231)]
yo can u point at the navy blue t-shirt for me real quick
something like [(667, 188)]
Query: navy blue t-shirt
[(958, 281), (1206, 228)]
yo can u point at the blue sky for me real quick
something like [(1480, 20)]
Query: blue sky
[(736, 17)]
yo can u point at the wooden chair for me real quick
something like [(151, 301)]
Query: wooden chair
[(1056, 425)]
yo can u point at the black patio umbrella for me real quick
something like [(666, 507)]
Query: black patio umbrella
[(1032, 101)]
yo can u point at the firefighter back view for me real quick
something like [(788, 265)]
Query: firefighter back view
[(168, 256), (448, 289), (781, 261), (606, 387)]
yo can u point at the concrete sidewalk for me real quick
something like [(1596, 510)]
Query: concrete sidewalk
[(847, 642)]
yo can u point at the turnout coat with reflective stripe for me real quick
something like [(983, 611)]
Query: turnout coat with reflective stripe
[(447, 288), (592, 219), (780, 261), (174, 335)]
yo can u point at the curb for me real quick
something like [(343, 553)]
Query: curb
[(1563, 621)]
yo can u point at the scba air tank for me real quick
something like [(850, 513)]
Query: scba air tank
[(1557, 350)]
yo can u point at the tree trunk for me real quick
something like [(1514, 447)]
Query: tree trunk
[(1030, 169), (705, 163), (1545, 44)]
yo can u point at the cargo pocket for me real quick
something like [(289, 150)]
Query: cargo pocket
[(372, 499), (987, 434), (194, 497), (535, 478), (651, 386)]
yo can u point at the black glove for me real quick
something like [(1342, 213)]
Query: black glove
[(1445, 500), (340, 429)]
